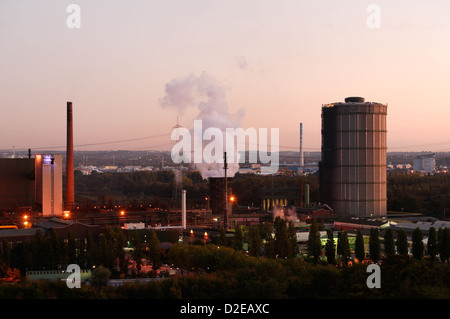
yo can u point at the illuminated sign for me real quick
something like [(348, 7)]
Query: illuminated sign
[(48, 159)]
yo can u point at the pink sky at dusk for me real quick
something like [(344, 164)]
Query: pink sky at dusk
[(277, 61)]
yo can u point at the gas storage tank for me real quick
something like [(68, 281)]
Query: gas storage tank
[(353, 165)]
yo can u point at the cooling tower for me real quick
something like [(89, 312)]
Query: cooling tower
[(353, 166), (70, 193)]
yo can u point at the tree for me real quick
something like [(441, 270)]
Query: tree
[(417, 244), (119, 240), (343, 247), (292, 236), (238, 242), (444, 244), (71, 248), (91, 250), (360, 253), (100, 276), (57, 247), (402, 243), (138, 252), (255, 242), (330, 247), (389, 245), (107, 256), (314, 244), (222, 238), (5, 257), (281, 238), (154, 254), (374, 245), (432, 245)]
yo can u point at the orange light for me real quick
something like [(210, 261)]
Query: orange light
[(206, 234), (66, 214), (25, 217), (232, 198), (122, 213)]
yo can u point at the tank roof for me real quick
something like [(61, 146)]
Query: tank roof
[(354, 99)]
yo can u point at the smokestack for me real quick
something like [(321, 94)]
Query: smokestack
[(70, 194), (183, 208), (302, 162), (306, 195)]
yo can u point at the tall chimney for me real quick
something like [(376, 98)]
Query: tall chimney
[(302, 162), (183, 208), (70, 193)]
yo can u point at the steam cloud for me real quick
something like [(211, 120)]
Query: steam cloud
[(285, 213), (209, 97)]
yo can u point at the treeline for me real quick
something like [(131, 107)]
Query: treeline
[(159, 186), (224, 273), (272, 268), (53, 253), (409, 193), (419, 194)]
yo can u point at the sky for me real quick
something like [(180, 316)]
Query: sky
[(276, 63)]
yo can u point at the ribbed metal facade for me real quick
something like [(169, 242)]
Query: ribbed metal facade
[(353, 165)]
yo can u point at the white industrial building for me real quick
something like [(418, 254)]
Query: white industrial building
[(425, 163)]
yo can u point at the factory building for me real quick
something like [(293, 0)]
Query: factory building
[(353, 166), (49, 189), (425, 163), (32, 184), (17, 183)]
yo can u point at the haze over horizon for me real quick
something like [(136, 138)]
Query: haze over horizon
[(276, 61)]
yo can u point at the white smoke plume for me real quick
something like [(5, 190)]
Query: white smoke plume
[(285, 213), (205, 93)]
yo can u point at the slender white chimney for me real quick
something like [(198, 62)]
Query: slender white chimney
[(183, 208)]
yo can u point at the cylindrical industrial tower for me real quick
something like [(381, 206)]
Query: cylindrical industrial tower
[(70, 193), (353, 165)]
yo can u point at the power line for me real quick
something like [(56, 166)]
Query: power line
[(104, 143)]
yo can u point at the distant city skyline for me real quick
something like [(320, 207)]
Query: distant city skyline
[(276, 61)]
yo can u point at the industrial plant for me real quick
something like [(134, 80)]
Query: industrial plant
[(352, 174), (37, 193)]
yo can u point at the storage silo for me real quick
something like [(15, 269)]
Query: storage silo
[(353, 164)]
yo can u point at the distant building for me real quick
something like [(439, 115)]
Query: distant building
[(352, 223), (61, 227), (425, 163)]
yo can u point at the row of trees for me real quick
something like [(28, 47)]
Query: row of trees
[(265, 240), (51, 252), (438, 244)]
